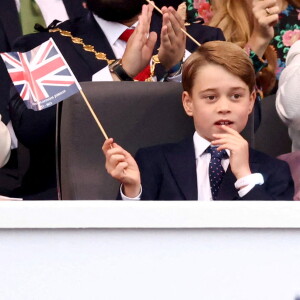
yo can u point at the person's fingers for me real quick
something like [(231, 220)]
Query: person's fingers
[(175, 22), (149, 12), (164, 37), (272, 19), (115, 159), (224, 143), (151, 40), (231, 145), (264, 4), (273, 10), (227, 146), (266, 10), (114, 152), (179, 19), (118, 171), (107, 145), (229, 130)]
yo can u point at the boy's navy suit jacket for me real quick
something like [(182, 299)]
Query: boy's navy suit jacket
[(168, 172)]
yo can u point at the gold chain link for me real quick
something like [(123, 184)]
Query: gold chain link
[(101, 55)]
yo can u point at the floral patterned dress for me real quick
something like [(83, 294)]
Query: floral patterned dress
[(287, 32)]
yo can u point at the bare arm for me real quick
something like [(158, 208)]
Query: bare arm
[(265, 17)]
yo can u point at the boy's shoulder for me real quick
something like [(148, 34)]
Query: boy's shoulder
[(266, 160), (185, 145)]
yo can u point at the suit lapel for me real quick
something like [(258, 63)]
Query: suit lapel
[(182, 163), (74, 8), (10, 19), (92, 34), (227, 190)]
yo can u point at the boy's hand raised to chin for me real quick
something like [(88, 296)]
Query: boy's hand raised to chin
[(239, 150), (122, 166)]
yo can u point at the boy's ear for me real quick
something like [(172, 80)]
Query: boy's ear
[(187, 103), (252, 101)]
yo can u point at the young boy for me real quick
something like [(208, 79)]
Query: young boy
[(216, 163)]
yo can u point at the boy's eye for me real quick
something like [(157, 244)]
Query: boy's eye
[(210, 97), (236, 96)]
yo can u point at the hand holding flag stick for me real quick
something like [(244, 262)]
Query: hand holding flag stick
[(187, 34)]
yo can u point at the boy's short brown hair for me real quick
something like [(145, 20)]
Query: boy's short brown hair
[(225, 54)]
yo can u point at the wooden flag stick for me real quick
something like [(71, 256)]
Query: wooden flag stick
[(94, 115), (187, 34)]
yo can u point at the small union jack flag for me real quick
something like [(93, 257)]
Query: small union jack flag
[(41, 75)]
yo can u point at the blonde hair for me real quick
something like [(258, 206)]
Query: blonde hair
[(235, 19), (295, 3), (225, 54)]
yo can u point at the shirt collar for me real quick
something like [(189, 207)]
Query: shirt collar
[(201, 144), (112, 30)]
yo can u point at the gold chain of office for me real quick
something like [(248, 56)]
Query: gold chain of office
[(101, 55)]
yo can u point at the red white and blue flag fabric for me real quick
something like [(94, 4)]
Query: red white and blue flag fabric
[(41, 75)]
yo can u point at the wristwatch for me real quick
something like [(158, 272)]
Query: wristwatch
[(175, 70), (117, 68)]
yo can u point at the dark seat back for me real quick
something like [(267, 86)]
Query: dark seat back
[(272, 135), (135, 114)]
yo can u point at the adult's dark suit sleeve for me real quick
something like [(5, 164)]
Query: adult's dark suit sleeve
[(5, 79)]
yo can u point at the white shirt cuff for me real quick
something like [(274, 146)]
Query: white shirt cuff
[(103, 75), (177, 78), (248, 182), (138, 197)]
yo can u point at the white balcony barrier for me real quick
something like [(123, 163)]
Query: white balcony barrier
[(149, 250)]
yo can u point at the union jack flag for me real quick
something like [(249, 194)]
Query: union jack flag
[(41, 76)]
